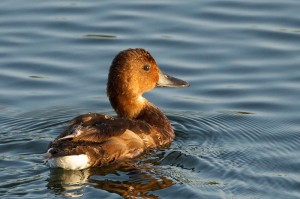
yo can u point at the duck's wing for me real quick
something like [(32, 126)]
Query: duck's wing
[(94, 127), (104, 139)]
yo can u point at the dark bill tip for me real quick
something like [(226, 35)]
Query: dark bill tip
[(166, 80)]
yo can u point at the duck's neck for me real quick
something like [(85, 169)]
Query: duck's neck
[(127, 106), (139, 108)]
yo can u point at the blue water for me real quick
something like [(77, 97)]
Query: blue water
[(237, 126)]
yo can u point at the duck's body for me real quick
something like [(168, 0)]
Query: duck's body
[(95, 140)]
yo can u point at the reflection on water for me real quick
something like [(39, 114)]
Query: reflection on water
[(126, 180), (67, 182)]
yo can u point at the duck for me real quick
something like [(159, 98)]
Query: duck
[(95, 140)]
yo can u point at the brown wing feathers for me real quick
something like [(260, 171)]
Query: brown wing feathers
[(90, 132)]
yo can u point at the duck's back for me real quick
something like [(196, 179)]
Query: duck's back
[(95, 140)]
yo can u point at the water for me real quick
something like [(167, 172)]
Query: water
[(237, 126)]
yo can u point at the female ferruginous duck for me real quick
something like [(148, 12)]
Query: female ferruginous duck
[(96, 140)]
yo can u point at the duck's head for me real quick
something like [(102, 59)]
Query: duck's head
[(132, 73)]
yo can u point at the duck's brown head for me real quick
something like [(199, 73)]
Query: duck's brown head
[(132, 73)]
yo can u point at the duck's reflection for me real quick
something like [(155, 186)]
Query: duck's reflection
[(128, 181)]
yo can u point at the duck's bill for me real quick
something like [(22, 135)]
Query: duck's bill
[(166, 80)]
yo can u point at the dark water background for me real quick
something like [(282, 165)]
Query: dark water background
[(237, 126)]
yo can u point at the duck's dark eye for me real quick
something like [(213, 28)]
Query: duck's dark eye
[(146, 67)]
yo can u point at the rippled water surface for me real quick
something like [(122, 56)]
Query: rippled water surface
[(237, 126)]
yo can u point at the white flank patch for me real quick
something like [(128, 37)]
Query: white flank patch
[(71, 162)]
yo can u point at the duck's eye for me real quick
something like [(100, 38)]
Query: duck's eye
[(146, 67)]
